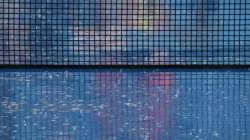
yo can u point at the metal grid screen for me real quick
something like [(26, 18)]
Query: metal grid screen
[(127, 105), (124, 32)]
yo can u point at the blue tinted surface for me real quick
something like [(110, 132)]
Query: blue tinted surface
[(105, 32), (124, 105)]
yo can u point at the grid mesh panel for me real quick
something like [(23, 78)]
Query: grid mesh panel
[(124, 32), (124, 105)]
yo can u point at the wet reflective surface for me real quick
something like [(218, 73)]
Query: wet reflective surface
[(124, 104)]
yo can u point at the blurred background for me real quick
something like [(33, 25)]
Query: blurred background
[(167, 32), (124, 104)]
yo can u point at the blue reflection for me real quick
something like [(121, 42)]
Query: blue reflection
[(124, 104)]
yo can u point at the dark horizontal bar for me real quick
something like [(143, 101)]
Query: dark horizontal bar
[(217, 67)]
